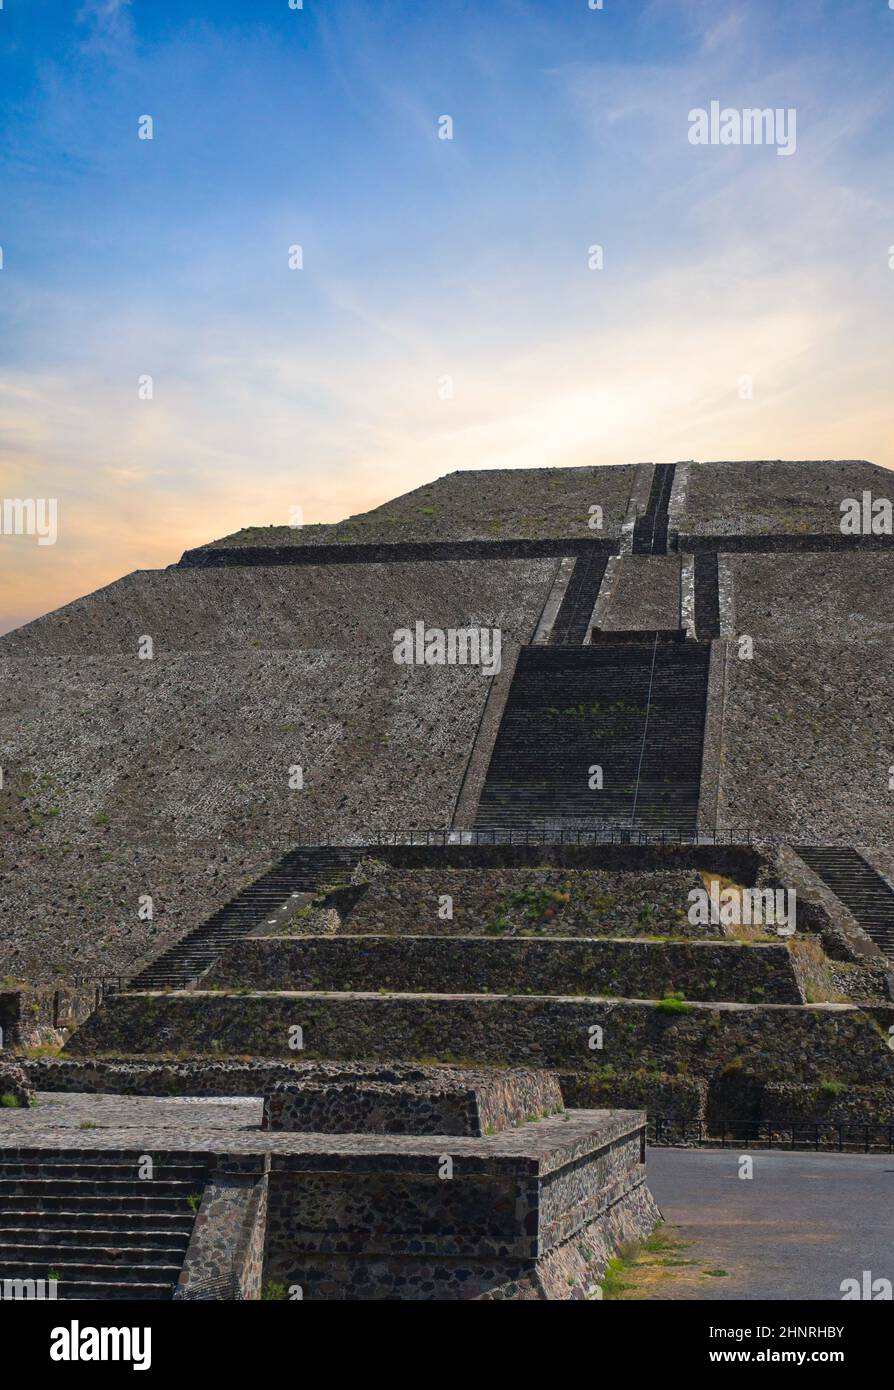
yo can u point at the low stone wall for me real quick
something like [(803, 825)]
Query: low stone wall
[(225, 1256), (831, 1104), (471, 1102), (512, 965), (678, 1096), (535, 1214)]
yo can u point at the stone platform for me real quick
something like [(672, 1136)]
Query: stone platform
[(426, 1100), (534, 1211)]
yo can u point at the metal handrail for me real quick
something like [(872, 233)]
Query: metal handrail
[(515, 835), (841, 1136), (642, 747)]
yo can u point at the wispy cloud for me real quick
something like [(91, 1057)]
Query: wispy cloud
[(321, 388)]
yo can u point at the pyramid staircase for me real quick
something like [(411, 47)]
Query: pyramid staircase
[(86, 1218), (634, 707), (300, 871), (573, 618), (650, 529), (859, 887)]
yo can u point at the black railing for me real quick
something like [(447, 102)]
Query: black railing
[(515, 835), (103, 984), (821, 1136)]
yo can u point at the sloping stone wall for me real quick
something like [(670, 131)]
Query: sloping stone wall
[(808, 741), (475, 504), (779, 1041), (474, 965), (850, 595), (774, 497), (551, 901), (282, 608)]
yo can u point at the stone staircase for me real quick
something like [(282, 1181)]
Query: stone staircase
[(87, 1218), (573, 618), (857, 885), (300, 871), (635, 708), (650, 530), (707, 597)]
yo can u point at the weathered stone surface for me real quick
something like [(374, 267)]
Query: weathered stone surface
[(42, 1017), (640, 592), (533, 1212), (182, 827), (509, 900), (824, 1041), (850, 596), (771, 497), (15, 1090), (474, 504), (312, 608), (512, 965), (225, 1257), (438, 1226), (806, 727)]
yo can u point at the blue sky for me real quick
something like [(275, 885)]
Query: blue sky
[(424, 259)]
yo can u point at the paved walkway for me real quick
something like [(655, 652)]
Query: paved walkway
[(800, 1226)]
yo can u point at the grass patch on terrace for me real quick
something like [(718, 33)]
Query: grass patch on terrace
[(738, 931), (529, 907), (673, 1004)]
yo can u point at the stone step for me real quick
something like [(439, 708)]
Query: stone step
[(299, 872), (56, 1204), (123, 1257), (62, 1153), (859, 887), (34, 1228), (107, 1291), (119, 1171), (573, 618), (159, 1274), (650, 529), (636, 710), (86, 1215), (91, 1187)]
